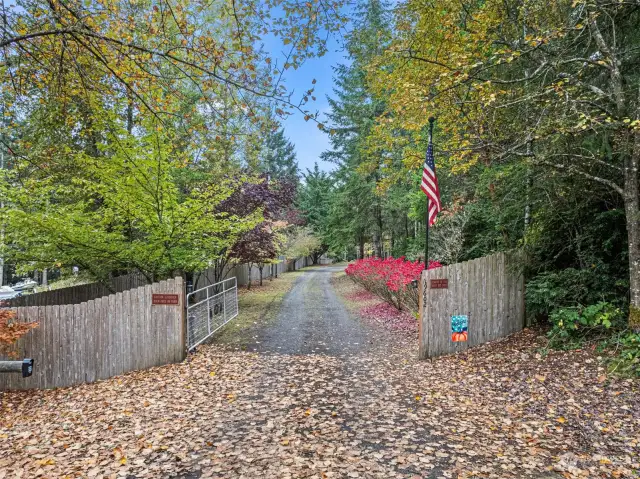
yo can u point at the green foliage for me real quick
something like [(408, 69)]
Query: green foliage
[(125, 127), (356, 211), (625, 354), (118, 212), (314, 202), (279, 156), (301, 242), (552, 290), (574, 326)]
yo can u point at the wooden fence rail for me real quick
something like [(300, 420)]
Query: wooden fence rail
[(91, 291), (100, 338), (80, 293), (488, 292)]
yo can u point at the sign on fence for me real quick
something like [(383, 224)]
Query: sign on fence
[(165, 299), (459, 328), (101, 338), (470, 303), (440, 284)]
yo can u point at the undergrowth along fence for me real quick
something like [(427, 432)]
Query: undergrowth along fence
[(101, 338), (391, 279), (470, 303)]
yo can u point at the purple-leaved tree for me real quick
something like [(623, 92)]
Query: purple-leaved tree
[(257, 247)]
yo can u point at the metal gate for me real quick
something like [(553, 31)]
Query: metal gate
[(210, 308)]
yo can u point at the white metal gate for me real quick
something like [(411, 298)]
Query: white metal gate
[(210, 308)]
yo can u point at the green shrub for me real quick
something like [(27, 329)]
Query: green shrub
[(550, 291), (625, 354), (572, 327)]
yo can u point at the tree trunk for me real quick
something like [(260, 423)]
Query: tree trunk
[(361, 246), (406, 230), (392, 242), (632, 211), (378, 236), (260, 269), (377, 245), (249, 283)]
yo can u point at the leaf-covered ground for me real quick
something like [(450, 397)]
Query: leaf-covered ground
[(501, 410)]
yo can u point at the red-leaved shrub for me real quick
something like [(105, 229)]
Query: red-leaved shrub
[(390, 279)]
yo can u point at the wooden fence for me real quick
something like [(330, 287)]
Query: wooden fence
[(80, 293), (488, 292), (241, 272), (86, 292), (104, 337)]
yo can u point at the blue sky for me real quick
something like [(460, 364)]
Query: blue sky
[(305, 135)]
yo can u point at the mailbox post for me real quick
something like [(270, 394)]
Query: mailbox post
[(25, 367)]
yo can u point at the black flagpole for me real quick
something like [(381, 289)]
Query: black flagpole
[(426, 243)]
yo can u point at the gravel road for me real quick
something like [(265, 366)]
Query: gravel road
[(312, 320)]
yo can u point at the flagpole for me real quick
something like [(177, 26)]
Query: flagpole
[(426, 242)]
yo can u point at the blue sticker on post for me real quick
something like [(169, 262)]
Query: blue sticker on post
[(459, 325)]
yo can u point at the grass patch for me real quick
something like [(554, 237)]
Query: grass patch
[(257, 307)]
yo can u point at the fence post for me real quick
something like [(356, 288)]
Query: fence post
[(184, 292), (208, 312), (224, 304)]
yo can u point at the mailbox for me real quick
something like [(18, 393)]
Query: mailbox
[(25, 367)]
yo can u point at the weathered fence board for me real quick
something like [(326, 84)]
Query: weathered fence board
[(87, 292), (80, 293), (100, 338), (488, 290)]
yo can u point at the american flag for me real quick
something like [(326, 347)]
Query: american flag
[(430, 184)]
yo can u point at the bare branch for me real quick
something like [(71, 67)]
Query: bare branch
[(573, 169)]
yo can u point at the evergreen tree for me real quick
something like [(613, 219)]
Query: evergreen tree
[(314, 202), (279, 156), (353, 111)]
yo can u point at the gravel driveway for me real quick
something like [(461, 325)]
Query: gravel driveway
[(312, 320), (318, 394)]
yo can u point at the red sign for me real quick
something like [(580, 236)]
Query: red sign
[(440, 283), (165, 299)]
